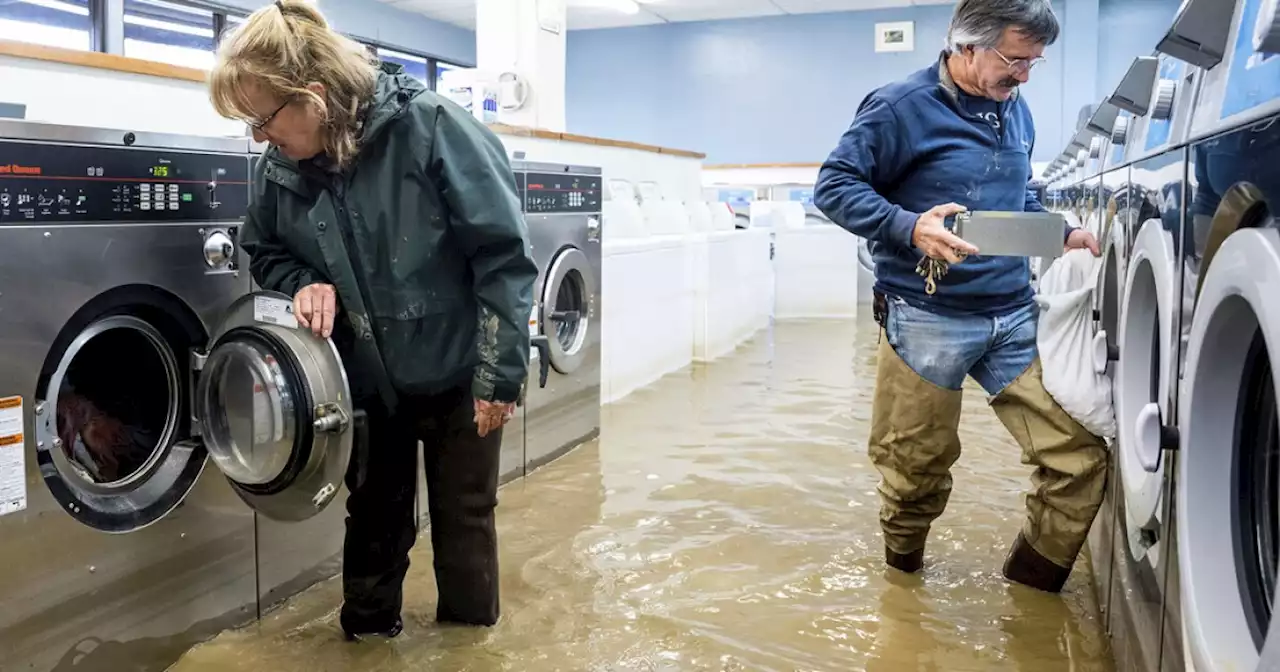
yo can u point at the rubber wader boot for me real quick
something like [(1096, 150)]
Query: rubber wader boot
[(913, 444), (1066, 487)]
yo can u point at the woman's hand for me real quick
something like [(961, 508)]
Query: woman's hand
[(492, 415), (315, 307)]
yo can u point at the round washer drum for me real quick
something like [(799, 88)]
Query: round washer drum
[(568, 295), (1229, 467), (1143, 376), (159, 483)]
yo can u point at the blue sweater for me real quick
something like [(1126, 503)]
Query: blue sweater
[(919, 143)]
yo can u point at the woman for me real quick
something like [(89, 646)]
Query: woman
[(391, 216)]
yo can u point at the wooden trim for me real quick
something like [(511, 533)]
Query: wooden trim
[(755, 166), (524, 132), (93, 59)]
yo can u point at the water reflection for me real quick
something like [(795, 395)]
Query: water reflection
[(727, 520)]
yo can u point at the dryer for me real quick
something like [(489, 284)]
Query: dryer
[(1226, 507), (562, 207), (132, 351)]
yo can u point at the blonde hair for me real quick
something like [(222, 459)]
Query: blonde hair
[(283, 47)]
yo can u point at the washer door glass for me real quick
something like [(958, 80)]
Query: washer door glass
[(567, 298), (274, 409)]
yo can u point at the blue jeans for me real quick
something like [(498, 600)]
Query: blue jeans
[(943, 349)]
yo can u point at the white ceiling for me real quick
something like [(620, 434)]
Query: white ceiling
[(586, 14)]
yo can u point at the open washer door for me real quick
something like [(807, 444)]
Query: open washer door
[(273, 408), (1229, 469), (1143, 380)]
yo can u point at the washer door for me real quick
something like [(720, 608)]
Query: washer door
[(1107, 297), (865, 260), (567, 308), (1143, 378), (274, 409), (1229, 469)]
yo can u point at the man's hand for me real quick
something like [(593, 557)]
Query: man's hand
[(315, 306), (1081, 239), (491, 415), (932, 237)]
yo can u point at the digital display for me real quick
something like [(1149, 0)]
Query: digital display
[(560, 193), (42, 183)]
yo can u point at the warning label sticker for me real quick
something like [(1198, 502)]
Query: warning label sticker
[(13, 471), (271, 310)]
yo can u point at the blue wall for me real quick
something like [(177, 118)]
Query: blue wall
[(783, 89), (1129, 35), (385, 24)]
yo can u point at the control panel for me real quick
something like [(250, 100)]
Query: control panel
[(559, 193), (42, 184)]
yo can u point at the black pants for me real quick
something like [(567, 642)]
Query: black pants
[(462, 492)]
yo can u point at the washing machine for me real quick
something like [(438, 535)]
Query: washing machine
[(1159, 91), (134, 355), (562, 206), (1228, 521)]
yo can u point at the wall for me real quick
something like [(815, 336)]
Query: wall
[(379, 22), (1129, 34), (783, 89)]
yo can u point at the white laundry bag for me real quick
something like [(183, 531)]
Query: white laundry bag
[(1065, 341)]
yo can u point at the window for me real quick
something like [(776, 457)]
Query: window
[(442, 67), (54, 23), (414, 66), (169, 32)]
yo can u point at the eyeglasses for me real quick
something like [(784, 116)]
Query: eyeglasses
[(1018, 65), (262, 123)]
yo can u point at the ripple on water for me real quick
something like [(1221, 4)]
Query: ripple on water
[(727, 519)]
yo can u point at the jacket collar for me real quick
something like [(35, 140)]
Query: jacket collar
[(948, 84), (392, 94)]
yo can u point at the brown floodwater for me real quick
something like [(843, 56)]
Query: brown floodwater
[(726, 520)]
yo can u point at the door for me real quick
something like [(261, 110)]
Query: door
[(567, 310), (1229, 465), (1143, 380), (273, 409)]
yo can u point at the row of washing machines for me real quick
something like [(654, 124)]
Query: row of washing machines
[(135, 353), (1179, 171)]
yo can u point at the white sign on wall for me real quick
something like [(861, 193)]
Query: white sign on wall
[(896, 36)]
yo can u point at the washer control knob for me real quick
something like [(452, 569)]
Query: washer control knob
[(1162, 108)]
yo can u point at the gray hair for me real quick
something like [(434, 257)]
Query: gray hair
[(981, 23)]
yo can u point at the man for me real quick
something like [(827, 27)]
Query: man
[(953, 137)]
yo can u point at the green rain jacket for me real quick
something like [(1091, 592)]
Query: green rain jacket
[(423, 239)]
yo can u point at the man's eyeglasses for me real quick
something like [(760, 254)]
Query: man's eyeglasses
[(259, 124), (1018, 65)]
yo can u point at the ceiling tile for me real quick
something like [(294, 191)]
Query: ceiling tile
[(822, 6), (584, 16), (709, 10), (588, 18)]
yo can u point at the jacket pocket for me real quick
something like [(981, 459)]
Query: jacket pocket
[(427, 337)]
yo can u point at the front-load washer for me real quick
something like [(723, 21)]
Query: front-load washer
[(1119, 213), (1143, 387), (132, 351), (563, 210), (1228, 419)]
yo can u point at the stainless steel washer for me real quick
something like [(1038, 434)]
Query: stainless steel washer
[(131, 352), (562, 207)]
